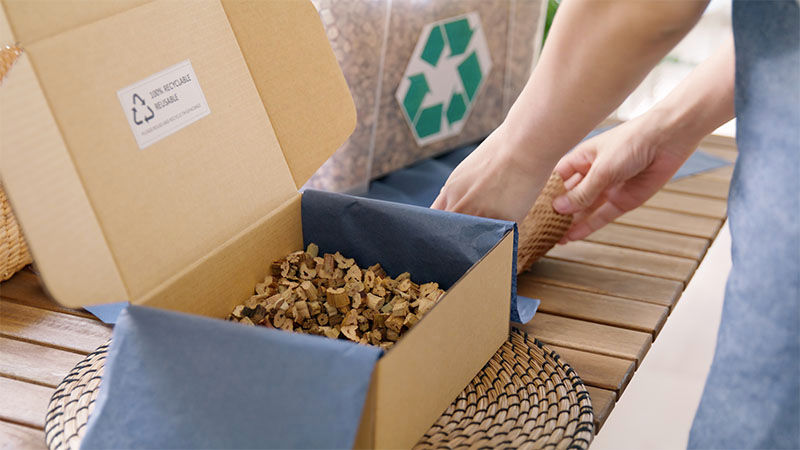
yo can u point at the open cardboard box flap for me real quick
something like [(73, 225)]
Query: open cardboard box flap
[(108, 221)]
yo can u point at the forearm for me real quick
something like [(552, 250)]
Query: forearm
[(596, 54), (702, 102)]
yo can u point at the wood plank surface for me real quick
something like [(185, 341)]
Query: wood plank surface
[(23, 403), (602, 402), (600, 371), (723, 173), (700, 185), (605, 281), (629, 260), (24, 287), (650, 240), (18, 437), (588, 336), (37, 363), (720, 151), (59, 330), (671, 221), (689, 204), (727, 143), (604, 309)]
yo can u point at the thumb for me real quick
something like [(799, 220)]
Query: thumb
[(439, 203), (585, 193)]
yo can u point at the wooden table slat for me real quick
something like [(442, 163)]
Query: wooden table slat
[(605, 281), (671, 221), (606, 372), (720, 151), (55, 329), (25, 287), (40, 364), (689, 204), (650, 240), (700, 185), (723, 173), (589, 336), (602, 402), (604, 309), (24, 403), (13, 436), (625, 259)]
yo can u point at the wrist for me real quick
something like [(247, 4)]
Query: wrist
[(672, 127), (527, 147)]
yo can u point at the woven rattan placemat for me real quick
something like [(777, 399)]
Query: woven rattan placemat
[(525, 397)]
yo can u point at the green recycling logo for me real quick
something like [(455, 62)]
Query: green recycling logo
[(446, 72)]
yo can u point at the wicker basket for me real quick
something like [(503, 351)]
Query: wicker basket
[(14, 253), (525, 397)]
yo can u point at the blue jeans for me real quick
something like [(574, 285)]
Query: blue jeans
[(752, 394)]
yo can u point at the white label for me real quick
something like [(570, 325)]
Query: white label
[(163, 103)]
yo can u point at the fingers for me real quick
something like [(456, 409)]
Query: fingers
[(602, 216), (579, 171), (577, 161), (439, 203), (573, 181), (586, 192)]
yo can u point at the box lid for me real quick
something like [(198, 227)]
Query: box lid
[(110, 219)]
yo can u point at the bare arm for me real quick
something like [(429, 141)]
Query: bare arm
[(621, 168), (597, 52)]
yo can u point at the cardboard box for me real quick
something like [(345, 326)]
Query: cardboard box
[(189, 215)]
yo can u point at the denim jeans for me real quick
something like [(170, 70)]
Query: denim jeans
[(752, 394)]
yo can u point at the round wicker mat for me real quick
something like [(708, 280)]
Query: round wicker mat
[(73, 401), (525, 397)]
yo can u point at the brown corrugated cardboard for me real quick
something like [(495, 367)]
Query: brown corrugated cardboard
[(427, 369), (192, 221), (77, 69)]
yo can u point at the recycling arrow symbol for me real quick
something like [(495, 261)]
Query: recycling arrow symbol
[(439, 87), (150, 114)]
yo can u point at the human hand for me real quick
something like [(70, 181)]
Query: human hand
[(616, 171), (494, 181)]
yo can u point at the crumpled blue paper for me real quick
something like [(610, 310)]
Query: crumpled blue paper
[(437, 245), (419, 184), (107, 312), (699, 162), (175, 380)]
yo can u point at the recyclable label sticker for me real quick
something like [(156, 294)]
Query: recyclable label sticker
[(163, 103), (446, 72)]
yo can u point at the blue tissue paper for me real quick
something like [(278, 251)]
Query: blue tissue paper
[(179, 381), (107, 312), (420, 183), (437, 245), (699, 162)]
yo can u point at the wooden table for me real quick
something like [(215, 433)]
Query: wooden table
[(604, 301)]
